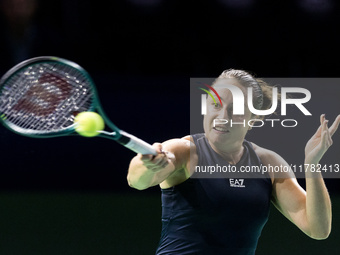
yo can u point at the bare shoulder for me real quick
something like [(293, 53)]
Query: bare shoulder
[(180, 148), (267, 156), (184, 151), (271, 158), (183, 148), (193, 153), (178, 145), (188, 138)]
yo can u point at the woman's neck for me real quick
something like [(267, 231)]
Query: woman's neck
[(232, 154)]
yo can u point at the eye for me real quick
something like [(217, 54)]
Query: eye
[(217, 105)]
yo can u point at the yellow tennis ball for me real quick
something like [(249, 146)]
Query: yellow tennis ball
[(88, 124)]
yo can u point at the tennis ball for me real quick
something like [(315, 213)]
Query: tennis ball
[(88, 124)]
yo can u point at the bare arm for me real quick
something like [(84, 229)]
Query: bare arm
[(318, 204), (311, 210), (146, 170)]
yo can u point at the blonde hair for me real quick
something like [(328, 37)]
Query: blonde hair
[(262, 91)]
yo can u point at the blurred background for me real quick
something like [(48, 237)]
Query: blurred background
[(70, 195)]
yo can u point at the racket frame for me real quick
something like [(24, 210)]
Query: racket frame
[(122, 137)]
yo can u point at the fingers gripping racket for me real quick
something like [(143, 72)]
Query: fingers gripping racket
[(40, 98)]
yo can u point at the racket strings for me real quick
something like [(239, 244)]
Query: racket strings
[(25, 103), (45, 97)]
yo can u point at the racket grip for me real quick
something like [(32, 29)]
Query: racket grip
[(135, 144)]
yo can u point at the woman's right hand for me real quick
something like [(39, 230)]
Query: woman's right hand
[(158, 162), (149, 170)]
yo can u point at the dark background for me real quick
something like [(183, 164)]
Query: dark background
[(59, 195)]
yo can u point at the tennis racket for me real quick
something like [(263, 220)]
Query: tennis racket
[(40, 98)]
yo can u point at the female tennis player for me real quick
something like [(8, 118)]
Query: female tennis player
[(226, 216)]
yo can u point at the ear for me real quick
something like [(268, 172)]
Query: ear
[(251, 123), (254, 118)]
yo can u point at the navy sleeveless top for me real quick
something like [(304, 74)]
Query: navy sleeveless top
[(211, 216)]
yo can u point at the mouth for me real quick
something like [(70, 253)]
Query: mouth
[(221, 129)]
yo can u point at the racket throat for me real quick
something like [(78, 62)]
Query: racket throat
[(135, 144), (113, 134)]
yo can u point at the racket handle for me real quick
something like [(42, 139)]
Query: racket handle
[(135, 144)]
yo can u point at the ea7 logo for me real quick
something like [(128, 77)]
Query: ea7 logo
[(237, 183)]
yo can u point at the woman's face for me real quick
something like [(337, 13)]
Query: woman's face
[(219, 133)]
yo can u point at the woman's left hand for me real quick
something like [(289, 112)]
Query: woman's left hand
[(320, 141)]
